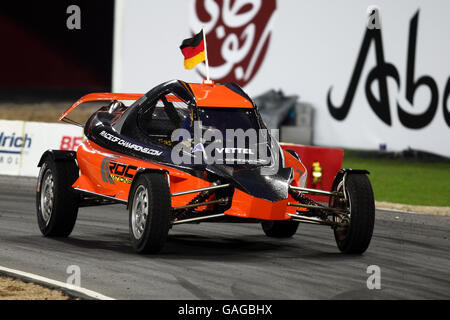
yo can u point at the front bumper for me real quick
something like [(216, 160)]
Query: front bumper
[(247, 206)]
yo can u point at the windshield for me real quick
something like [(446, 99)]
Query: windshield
[(228, 118), (236, 134)]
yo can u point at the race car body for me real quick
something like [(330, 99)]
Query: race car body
[(184, 153)]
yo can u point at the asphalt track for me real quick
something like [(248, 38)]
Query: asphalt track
[(227, 261)]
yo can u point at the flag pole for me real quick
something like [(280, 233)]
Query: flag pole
[(206, 56)]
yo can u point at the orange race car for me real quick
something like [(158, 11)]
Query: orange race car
[(187, 153)]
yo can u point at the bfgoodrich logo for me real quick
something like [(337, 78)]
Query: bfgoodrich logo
[(14, 144)]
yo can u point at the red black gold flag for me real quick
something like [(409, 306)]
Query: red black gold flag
[(193, 50)]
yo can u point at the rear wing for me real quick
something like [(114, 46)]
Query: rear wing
[(101, 96)]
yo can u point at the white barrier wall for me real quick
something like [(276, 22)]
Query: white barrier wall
[(388, 86), (22, 144)]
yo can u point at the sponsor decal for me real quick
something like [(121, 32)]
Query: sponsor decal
[(129, 145), (238, 34), (384, 70), (105, 171), (112, 171)]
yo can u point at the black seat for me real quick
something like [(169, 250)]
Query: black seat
[(159, 127)]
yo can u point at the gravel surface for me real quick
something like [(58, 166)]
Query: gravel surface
[(14, 289)]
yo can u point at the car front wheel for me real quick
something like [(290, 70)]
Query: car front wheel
[(149, 212), (356, 228)]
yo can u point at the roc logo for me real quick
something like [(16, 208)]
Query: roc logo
[(112, 170)]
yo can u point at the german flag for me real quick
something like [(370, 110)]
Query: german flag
[(193, 50)]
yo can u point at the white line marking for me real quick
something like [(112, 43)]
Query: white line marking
[(397, 210), (56, 283)]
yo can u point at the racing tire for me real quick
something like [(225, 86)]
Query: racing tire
[(279, 229), (56, 201), (355, 238), (149, 212)]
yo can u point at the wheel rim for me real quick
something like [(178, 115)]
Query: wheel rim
[(341, 232), (47, 196), (139, 211)]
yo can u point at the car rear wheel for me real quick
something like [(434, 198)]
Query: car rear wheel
[(279, 229), (56, 201), (354, 236), (149, 212)]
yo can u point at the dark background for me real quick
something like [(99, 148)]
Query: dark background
[(41, 59)]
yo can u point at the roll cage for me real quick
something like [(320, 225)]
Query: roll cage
[(153, 116), (173, 91)]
